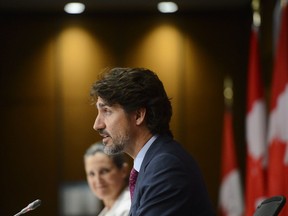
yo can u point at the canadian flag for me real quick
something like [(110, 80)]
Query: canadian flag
[(230, 196), (278, 118), (255, 131)]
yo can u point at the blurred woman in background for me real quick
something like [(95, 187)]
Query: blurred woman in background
[(107, 177)]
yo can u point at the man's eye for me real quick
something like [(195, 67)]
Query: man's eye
[(107, 111)]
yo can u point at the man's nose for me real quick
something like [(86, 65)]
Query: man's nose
[(98, 124)]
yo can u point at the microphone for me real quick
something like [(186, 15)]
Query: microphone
[(30, 207)]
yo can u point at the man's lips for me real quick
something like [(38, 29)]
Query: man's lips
[(103, 135), (105, 140)]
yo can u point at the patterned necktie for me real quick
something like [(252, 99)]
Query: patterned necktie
[(132, 181)]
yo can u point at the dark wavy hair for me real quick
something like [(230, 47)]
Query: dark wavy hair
[(135, 88)]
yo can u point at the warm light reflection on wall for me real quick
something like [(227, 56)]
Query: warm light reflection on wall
[(175, 57), (80, 57), (161, 50), (194, 59)]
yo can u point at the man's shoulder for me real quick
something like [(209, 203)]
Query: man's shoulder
[(166, 150), (166, 144)]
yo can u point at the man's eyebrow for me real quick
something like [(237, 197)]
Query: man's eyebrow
[(101, 104)]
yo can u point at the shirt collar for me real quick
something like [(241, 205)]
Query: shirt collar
[(140, 156)]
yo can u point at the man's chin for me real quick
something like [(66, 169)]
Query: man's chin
[(108, 149), (112, 149)]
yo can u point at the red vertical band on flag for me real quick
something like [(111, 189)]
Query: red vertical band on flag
[(255, 131), (230, 196), (278, 117)]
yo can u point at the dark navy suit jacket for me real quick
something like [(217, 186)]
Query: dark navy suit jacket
[(169, 183)]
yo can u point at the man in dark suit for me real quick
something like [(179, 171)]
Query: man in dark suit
[(134, 113)]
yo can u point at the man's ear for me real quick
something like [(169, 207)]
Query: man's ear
[(140, 115)]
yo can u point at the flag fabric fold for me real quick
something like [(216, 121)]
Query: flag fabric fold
[(278, 117), (256, 153), (230, 195)]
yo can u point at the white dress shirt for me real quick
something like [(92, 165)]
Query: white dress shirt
[(140, 156)]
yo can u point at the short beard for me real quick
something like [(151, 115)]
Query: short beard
[(118, 144), (115, 149)]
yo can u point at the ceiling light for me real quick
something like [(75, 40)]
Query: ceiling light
[(167, 7), (74, 8)]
